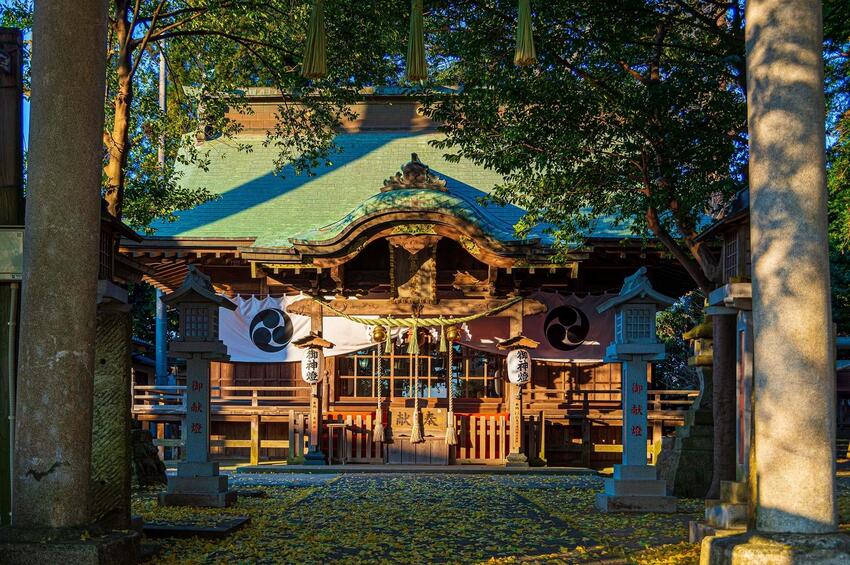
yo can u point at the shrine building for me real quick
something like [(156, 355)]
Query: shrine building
[(392, 257)]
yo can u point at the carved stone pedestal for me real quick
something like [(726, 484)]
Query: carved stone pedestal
[(635, 488), (198, 484)]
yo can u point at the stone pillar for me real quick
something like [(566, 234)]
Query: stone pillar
[(795, 367), (635, 486), (792, 478), (634, 412), (198, 482), (111, 449), (744, 394), (54, 397), (724, 323)]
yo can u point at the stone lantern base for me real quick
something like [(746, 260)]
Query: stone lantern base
[(83, 546), (754, 548), (635, 488), (198, 484)]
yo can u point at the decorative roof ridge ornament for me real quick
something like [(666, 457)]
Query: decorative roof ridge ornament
[(200, 284), (637, 287), (415, 174)]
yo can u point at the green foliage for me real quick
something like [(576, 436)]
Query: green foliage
[(143, 311), (673, 372), (633, 107), (18, 14), (837, 59), (215, 49)]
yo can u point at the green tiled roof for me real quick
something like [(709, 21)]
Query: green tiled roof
[(255, 203)]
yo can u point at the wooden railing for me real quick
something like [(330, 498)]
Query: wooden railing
[(163, 399), (673, 402)]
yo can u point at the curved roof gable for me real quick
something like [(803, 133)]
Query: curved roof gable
[(419, 201)]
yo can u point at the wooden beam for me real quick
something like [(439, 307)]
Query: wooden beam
[(446, 307)]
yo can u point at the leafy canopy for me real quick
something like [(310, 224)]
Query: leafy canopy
[(634, 111)]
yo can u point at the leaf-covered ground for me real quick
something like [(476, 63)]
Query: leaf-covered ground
[(358, 518)]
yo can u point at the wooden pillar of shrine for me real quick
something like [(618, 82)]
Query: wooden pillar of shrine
[(315, 455), (515, 458)]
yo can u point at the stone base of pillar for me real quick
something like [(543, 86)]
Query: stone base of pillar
[(698, 531), (754, 548), (725, 516), (198, 484), (23, 546), (516, 460), (635, 488), (315, 458)]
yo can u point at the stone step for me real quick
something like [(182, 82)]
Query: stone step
[(645, 488), (733, 492), (635, 503), (725, 516)]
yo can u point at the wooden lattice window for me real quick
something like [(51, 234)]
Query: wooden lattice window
[(105, 256), (475, 374), (730, 257)]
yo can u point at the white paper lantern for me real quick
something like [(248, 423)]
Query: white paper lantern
[(311, 365), (519, 366)]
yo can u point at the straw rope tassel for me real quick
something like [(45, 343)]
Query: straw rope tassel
[(451, 433), (314, 65), (379, 432), (525, 53), (416, 435), (417, 69)]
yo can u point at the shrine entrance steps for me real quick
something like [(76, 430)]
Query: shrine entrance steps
[(434, 469)]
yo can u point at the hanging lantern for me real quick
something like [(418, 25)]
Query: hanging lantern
[(379, 334), (311, 365), (519, 366)]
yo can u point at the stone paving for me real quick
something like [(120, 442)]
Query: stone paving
[(423, 518)]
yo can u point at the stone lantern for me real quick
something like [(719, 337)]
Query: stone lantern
[(519, 367), (635, 487), (312, 372), (198, 482)]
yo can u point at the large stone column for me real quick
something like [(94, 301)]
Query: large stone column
[(792, 486), (795, 367), (54, 397), (724, 323)]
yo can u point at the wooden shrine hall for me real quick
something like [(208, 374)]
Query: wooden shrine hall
[(393, 232)]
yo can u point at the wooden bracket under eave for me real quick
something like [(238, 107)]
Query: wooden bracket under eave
[(517, 342)]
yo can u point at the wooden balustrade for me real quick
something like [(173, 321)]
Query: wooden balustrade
[(482, 438), (165, 399)]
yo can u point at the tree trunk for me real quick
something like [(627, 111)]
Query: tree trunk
[(118, 141), (723, 402)]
